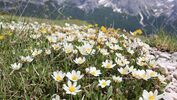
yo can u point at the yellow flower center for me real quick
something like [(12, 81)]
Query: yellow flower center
[(103, 84), (68, 50), (80, 61), (144, 76), (58, 78), (108, 65), (151, 65), (152, 74), (56, 47), (99, 40), (74, 77), (123, 71), (43, 30), (71, 88), (88, 50), (1, 37), (93, 73), (151, 97)]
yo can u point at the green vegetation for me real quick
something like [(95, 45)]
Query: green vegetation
[(9, 18), (162, 40), (32, 55)]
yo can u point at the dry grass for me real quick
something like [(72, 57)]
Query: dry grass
[(162, 40)]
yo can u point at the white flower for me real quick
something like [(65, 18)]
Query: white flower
[(86, 49), (16, 66), (113, 40), (75, 51), (56, 46), (56, 97), (58, 76), (70, 38), (149, 95), (108, 64), (141, 61), (71, 88), (141, 74), (67, 25), (74, 76), (117, 78), (162, 78), (79, 60), (35, 36), (36, 52), (108, 44), (119, 55), (104, 52), (122, 61), (124, 71), (68, 47), (26, 59), (131, 69), (104, 83), (152, 63), (52, 39), (151, 73), (115, 47), (48, 51), (61, 36), (130, 50), (93, 71), (144, 75)]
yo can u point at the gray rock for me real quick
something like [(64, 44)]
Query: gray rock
[(164, 70), (174, 54), (175, 75), (165, 55), (169, 77), (159, 60), (174, 57), (167, 64), (170, 68)]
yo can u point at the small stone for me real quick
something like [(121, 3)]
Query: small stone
[(165, 55), (161, 59), (167, 90), (174, 54), (175, 75), (167, 65), (170, 68), (164, 70), (169, 77)]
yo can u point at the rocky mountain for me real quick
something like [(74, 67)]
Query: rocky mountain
[(129, 14)]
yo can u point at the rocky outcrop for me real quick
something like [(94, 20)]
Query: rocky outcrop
[(167, 63)]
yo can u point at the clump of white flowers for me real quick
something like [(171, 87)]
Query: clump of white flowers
[(26, 59), (16, 66), (87, 56), (36, 52)]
